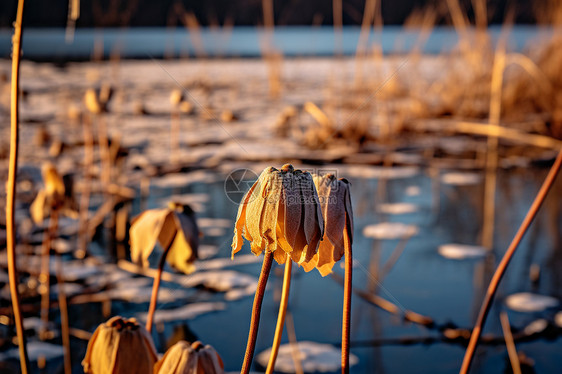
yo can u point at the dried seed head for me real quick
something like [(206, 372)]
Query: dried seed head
[(176, 97), (183, 358), (120, 346), (335, 200), (175, 228), (280, 214), (92, 102)]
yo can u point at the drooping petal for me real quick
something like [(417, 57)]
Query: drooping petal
[(268, 220), (254, 212), (293, 206), (237, 241)]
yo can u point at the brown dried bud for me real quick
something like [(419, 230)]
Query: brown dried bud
[(196, 358), (120, 346)]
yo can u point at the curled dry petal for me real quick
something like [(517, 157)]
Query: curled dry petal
[(183, 358), (120, 346), (280, 214), (335, 200)]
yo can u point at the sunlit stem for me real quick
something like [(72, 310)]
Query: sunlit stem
[(65, 330), (347, 288), (256, 312), (44, 277), (281, 316), (85, 193), (11, 190), (155, 288), (502, 266)]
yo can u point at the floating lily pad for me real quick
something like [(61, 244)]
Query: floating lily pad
[(529, 302), (314, 358), (461, 251)]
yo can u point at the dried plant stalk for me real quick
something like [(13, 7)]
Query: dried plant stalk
[(488, 221), (155, 288), (11, 189), (256, 312), (347, 289), (63, 307), (281, 316), (500, 270), (510, 344)]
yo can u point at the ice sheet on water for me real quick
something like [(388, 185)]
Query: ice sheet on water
[(535, 327), (389, 230), (395, 172), (398, 208), (35, 350), (314, 358), (184, 179), (461, 179), (527, 302), (142, 294), (219, 280), (189, 311), (220, 263), (461, 251)]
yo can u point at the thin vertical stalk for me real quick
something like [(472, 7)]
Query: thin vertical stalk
[(63, 307), (155, 288), (105, 157), (11, 189), (256, 312), (492, 149), (294, 344), (44, 277), (347, 289), (510, 343), (85, 193), (281, 316), (175, 130), (500, 270)]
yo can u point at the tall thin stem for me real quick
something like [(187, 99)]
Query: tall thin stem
[(155, 288), (85, 193), (347, 289), (45, 275), (281, 316), (11, 190), (65, 329), (496, 278), (256, 312)]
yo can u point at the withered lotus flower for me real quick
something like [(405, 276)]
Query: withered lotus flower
[(52, 196), (335, 200), (280, 214), (175, 228), (120, 346), (185, 358)]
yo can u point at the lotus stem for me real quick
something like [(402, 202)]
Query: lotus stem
[(347, 288), (175, 130), (11, 190), (256, 311), (281, 315), (85, 193), (63, 307), (500, 270), (44, 277), (155, 288)]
